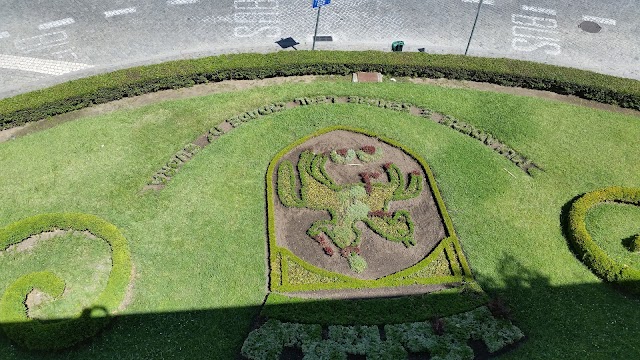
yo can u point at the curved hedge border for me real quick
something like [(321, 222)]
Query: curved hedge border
[(103, 88), (51, 335), (625, 277), (279, 258)]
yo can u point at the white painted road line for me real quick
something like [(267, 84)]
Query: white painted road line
[(4, 34), (599, 20), (487, 2), (539, 10), (57, 23), (42, 66), (181, 2), (112, 13)]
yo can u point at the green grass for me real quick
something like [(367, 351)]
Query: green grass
[(198, 246), (84, 280), (611, 226)]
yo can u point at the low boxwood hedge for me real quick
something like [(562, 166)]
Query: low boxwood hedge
[(59, 334), (625, 277), (103, 88)]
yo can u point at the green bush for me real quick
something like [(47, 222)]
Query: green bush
[(604, 266), (268, 341), (635, 244), (50, 335), (103, 88), (357, 263)]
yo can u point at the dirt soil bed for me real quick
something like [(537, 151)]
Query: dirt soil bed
[(384, 257)]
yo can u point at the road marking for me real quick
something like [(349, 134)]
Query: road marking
[(57, 23), (181, 2), (60, 54), (112, 13), (487, 2), (539, 10), (43, 41), (217, 19), (255, 13), (255, 4), (42, 66), (531, 33), (534, 21), (252, 18), (599, 20), (4, 34)]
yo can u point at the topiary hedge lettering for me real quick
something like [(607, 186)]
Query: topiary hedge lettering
[(625, 277), (135, 81), (449, 341), (52, 335), (343, 156)]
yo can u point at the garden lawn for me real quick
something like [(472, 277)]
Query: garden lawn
[(198, 246)]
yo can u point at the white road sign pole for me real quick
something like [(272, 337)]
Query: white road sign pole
[(318, 4), (315, 33)]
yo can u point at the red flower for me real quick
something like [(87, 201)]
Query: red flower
[(369, 149), (342, 152)]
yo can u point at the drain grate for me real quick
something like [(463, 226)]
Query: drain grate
[(324, 38), (590, 27)]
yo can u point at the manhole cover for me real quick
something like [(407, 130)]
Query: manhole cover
[(590, 27)]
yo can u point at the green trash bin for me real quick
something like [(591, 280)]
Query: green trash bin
[(397, 45)]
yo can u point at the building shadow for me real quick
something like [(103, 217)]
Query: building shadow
[(576, 321)]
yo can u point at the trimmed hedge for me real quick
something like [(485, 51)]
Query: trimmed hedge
[(103, 88), (51, 335), (625, 277), (269, 341), (281, 258)]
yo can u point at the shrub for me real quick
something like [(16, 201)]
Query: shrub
[(634, 246), (43, 335), (625, 277), (103, 88), (357, 263)]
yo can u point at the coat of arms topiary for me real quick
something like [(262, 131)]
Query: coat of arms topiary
[(348, 204)]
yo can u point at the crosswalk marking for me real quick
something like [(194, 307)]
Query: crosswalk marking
[(42, 66)]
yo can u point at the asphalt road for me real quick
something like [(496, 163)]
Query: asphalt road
[(44, 42)]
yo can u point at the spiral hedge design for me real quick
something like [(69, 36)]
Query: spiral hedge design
[(625, 277), (52, 335)]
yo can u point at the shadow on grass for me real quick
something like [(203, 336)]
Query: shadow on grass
[(579, 321)]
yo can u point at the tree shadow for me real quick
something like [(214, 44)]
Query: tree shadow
[(631, 243)]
